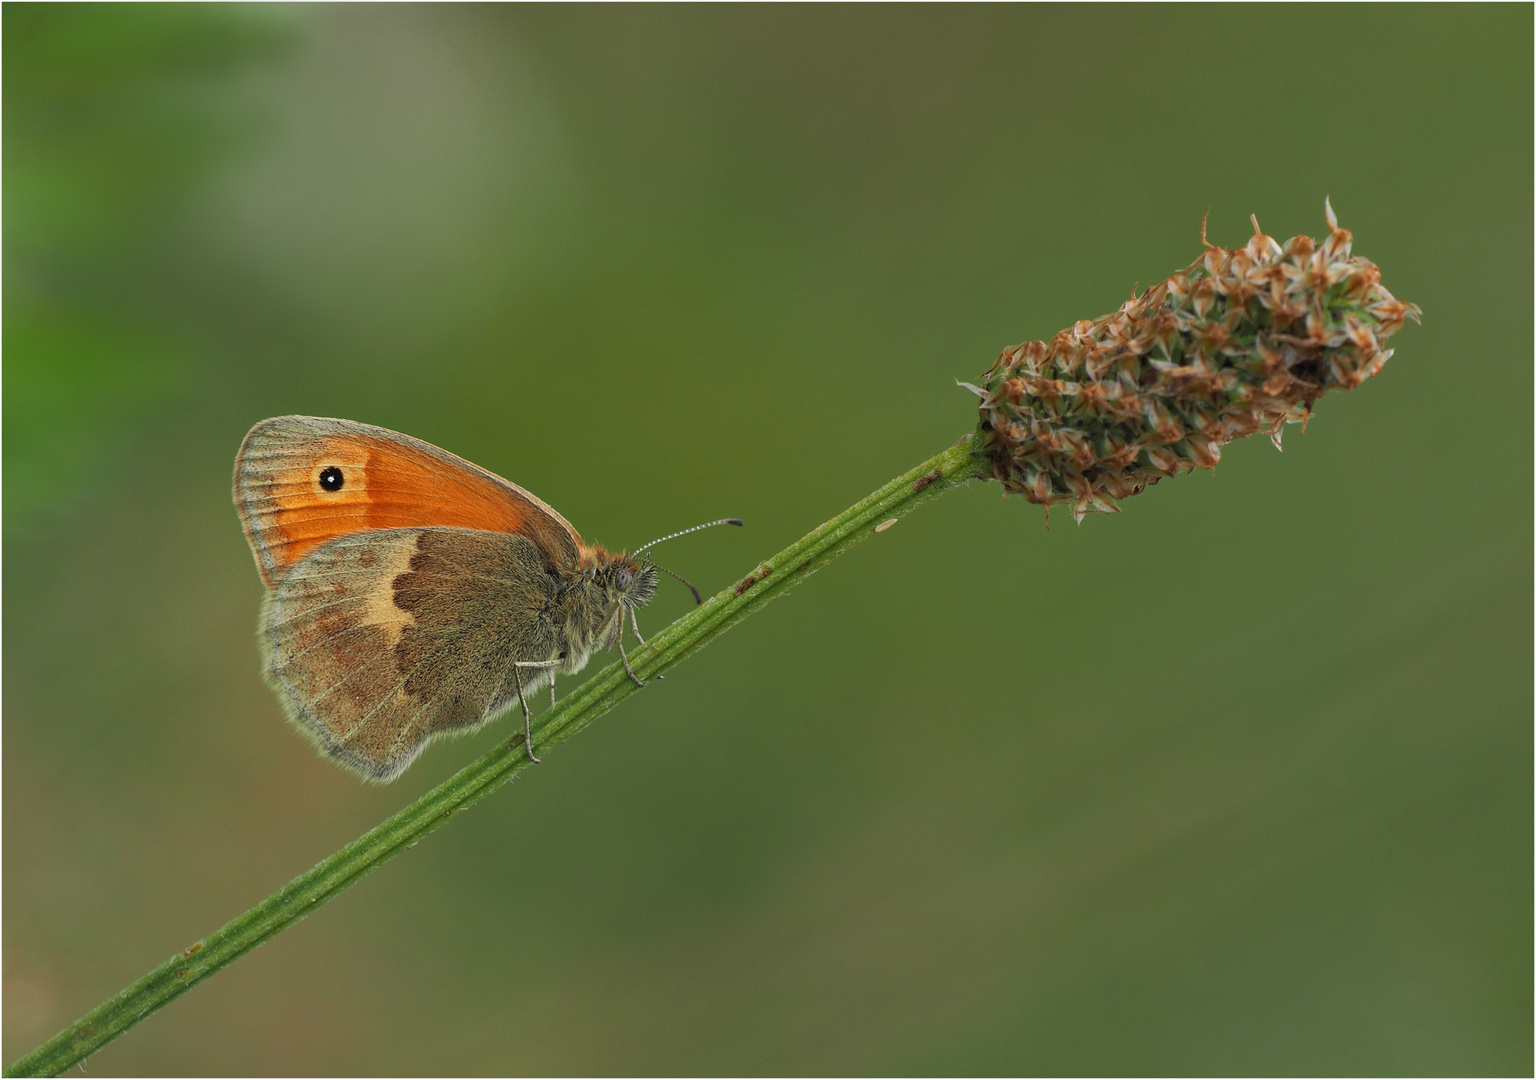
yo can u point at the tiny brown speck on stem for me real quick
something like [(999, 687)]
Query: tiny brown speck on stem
[(927, 478)]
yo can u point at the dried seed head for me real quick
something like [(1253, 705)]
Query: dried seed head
[(1238, 342)]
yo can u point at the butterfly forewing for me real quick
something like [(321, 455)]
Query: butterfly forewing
[(301, 481)]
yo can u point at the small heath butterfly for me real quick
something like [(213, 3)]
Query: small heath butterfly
[(411, 594)]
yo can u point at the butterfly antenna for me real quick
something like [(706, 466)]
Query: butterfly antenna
[(697, 599), (685, 532)]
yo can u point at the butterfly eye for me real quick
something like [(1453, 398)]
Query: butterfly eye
[(331, 478), (623, 579)]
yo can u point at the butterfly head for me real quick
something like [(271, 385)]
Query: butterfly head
[(614, 578), (631, 583)]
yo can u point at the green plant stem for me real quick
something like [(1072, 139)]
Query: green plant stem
[(305, 893)]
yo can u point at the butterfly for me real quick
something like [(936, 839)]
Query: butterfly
[(412, 594)]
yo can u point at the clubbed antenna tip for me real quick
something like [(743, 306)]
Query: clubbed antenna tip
[(685, 532), (1238, 342)]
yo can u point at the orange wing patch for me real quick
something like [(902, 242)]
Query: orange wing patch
[(301, 481)]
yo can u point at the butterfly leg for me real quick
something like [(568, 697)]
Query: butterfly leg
[(634, 625), (619, 640), (517, 680)]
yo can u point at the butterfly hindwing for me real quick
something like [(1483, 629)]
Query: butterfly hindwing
[(381, 640)]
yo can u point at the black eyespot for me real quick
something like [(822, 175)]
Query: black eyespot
[(331, 478)]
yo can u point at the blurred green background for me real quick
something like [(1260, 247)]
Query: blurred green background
[(1237, 781)]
